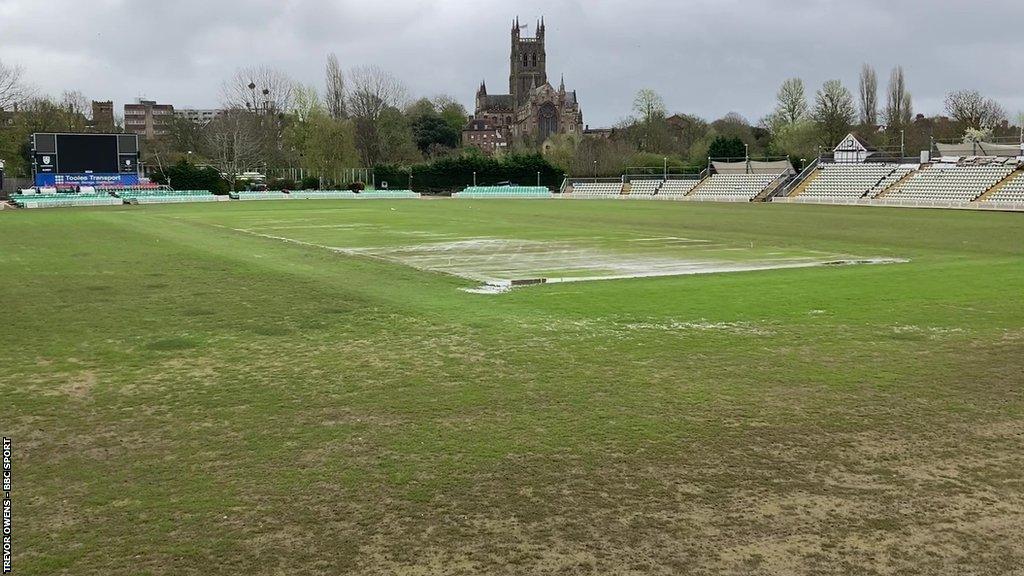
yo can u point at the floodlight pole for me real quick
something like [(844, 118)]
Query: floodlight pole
[(903, 143), (595, 170), (538, 178), (474, 179), (664, 174)]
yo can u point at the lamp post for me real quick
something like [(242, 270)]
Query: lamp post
[(538, 179), (746, 155), (474, 179), (595, 170), (664, 173), (903, 143)]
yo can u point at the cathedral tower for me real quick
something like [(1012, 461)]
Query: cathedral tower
[(528, 63)]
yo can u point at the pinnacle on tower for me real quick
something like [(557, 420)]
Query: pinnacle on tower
[(561, 86)]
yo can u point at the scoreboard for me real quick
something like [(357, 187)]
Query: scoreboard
[(85, 159)]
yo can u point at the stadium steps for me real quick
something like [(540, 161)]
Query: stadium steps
[(999, 186), (763, 195), (698, 186), (807, 182), (895, 185)]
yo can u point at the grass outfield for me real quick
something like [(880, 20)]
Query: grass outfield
[(190, 393)]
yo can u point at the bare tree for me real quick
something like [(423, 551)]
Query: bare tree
[(834, 111), (259, 89), (791, 103), (868, 96), (76, 104), (234, 143), (335, 94), (899, 109), (372, 90), (13, 91), (973, 110), (648, 105)]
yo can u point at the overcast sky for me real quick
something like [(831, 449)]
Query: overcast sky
[(706, 57)]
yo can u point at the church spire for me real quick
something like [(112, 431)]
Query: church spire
[(561, 86)]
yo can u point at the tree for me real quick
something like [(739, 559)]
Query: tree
[(184, 136), (396, 138), (647, 130), (834, 112), (323, 145), (259, 89), (234, 143), (13, 91), (648, 105), (371, 91), (34, 115), (186, 176), (76, 104), (451, 111), (977, 135), (799, 141), (791, 103), (725, 147), (868, 96), (306, 103), (686, 130), (898, 108), (335, 93), (431, 132), (972, 110)]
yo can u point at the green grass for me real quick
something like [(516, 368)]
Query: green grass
[(188, 398)]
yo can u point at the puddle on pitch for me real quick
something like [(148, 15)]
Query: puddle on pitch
[(501, 265)]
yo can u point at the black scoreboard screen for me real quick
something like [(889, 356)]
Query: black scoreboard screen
[(85, 159), (78, 153)]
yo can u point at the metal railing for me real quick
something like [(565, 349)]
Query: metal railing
[(803, 175)]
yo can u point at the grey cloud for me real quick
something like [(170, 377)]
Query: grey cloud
[(706, 57)]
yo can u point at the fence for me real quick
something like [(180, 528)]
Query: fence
[(13, 185)]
